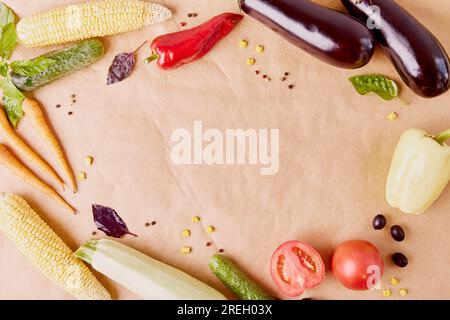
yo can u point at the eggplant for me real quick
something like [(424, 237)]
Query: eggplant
[(329, 35), (418, 56)]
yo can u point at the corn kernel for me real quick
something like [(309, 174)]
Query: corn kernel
[(392, 116), (186, 233), (81, 176), (185, 250), (387, 293), (88, 160), (243, 44), (394, 281), (195, 219), (403, 292), (251, 61), (259, 49), (210, 229)]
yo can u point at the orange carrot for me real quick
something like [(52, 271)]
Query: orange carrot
[(16, 167), (34, 113), (13, 139)]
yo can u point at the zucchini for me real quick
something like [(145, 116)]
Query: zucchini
[(145, 276), (68, 60)]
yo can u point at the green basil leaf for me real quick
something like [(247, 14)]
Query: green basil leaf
[(381, 85), (8, 40), (12, 100), (6, 15), (31, 67)]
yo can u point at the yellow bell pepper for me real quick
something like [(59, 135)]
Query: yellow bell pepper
[(419, 172)]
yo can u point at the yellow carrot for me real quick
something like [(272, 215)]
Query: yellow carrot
[(13, 139), (15, 166), (34, 113)]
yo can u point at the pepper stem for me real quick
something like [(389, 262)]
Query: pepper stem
[(154, 56), (442, 137)]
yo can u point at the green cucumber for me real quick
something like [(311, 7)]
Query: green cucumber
[(236, 280), (68, 60)]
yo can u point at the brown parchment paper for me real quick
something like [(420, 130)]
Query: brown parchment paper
[(335, 151)]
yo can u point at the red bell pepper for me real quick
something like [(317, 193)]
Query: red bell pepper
[(176, 49)]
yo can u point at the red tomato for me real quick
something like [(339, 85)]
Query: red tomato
[(295, 267), (357, 264)]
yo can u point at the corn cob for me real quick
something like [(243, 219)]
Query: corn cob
[(87, 20), (45, 250)]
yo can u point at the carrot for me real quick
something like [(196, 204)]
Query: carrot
[(16, 167), (34, 113), (13, 139)]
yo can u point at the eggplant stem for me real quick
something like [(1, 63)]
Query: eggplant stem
[(442, 137)]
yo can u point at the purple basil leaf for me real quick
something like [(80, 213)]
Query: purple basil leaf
[(121, 67), (108, 221)]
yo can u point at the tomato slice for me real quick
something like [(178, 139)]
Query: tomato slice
[(296, 267)]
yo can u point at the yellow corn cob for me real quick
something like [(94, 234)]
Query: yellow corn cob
[(90, 19), (46, 251)]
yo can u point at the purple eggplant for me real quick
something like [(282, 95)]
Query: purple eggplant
[(329, 35), (417, 55)]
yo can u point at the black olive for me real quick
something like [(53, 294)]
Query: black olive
[(397, 233), (379, 222), (400, 259)]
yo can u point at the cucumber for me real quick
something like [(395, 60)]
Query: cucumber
[(236, 280), (68, 60), (143, 275)]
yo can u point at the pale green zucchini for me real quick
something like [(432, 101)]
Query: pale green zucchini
[(145, 276)]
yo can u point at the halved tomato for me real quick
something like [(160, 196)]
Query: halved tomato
[(296, 267)]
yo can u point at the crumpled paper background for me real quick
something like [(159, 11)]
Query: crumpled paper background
[(335, 150)]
